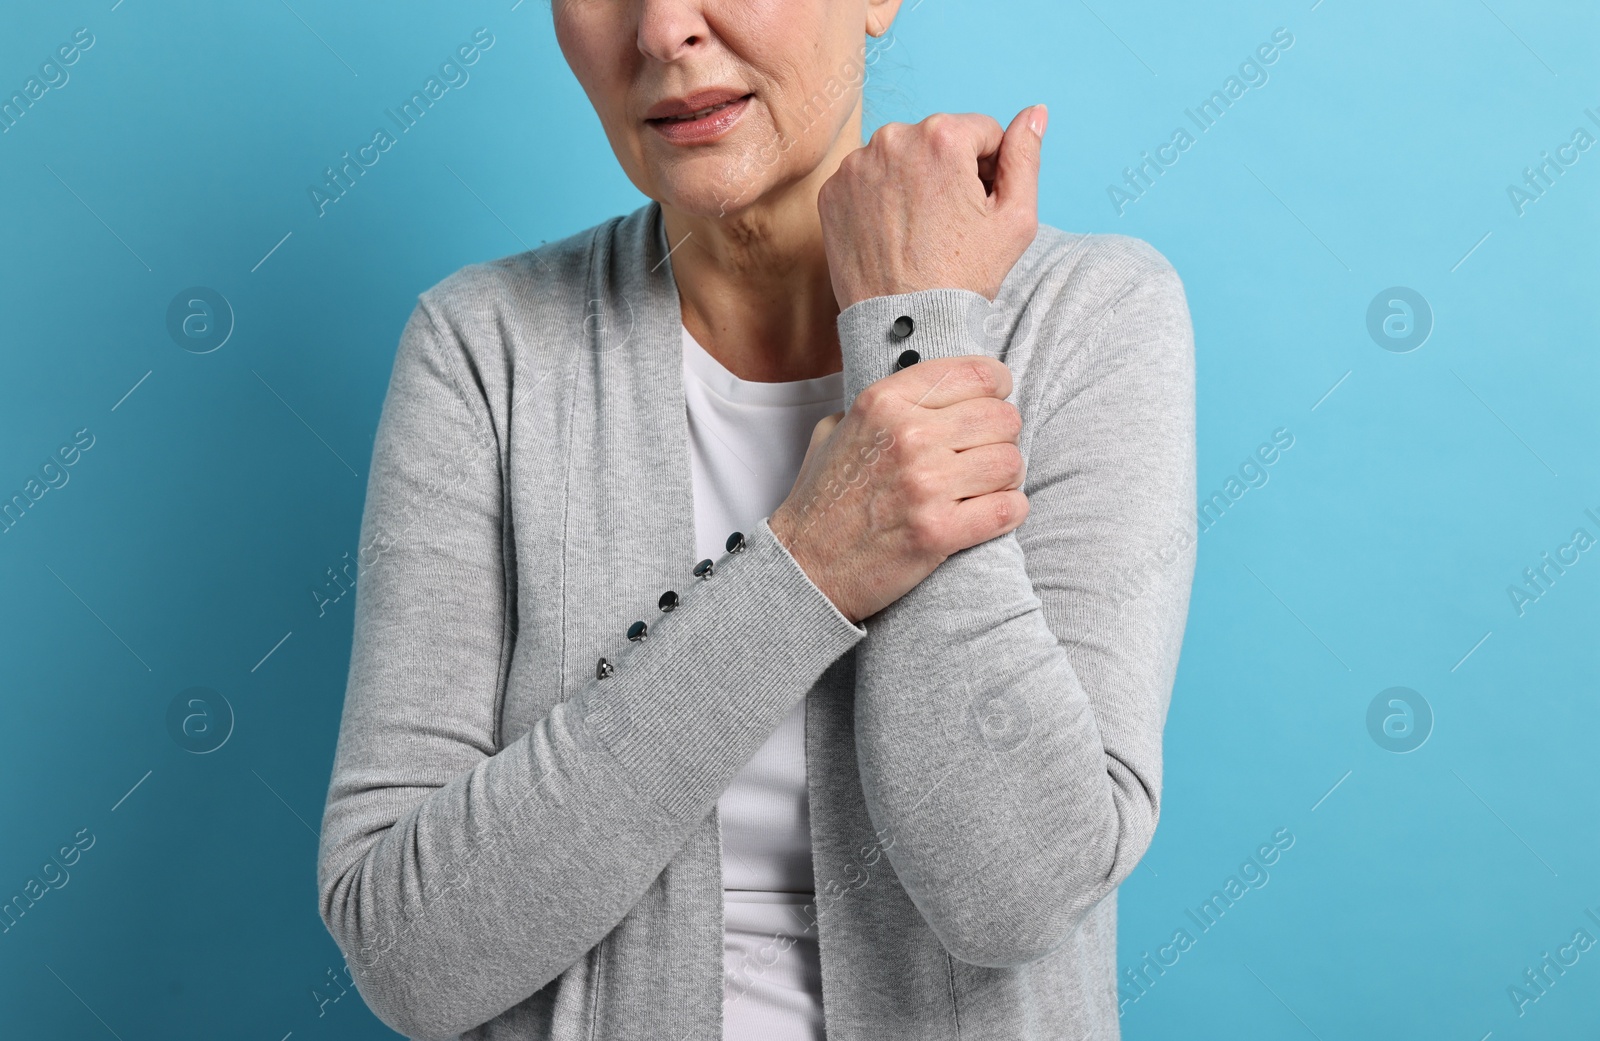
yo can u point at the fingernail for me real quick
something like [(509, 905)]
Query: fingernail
[(1039, 120)]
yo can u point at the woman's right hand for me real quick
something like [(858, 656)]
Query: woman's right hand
[(924, 463)]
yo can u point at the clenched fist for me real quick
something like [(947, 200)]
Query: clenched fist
[(947, 203), (923, 464)]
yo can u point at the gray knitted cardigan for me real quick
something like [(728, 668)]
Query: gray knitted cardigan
[(520, 841)]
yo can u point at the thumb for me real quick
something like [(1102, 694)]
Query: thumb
[(1017, 175), (814, 449), (821, 432)]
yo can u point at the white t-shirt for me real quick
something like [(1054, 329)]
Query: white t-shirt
[(746, 443)]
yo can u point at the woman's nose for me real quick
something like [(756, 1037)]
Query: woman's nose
[(668, 29)]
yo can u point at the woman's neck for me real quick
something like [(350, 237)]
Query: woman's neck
[(754, 286)]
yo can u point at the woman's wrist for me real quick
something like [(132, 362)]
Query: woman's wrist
[(789, 533)]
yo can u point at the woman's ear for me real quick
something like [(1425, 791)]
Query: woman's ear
[(880, 15)]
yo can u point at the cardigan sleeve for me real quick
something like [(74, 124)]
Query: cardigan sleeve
[(457, 877), (1010, 707)]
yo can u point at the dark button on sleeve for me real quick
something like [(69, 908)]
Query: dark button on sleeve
[(903, 326), (907, 358)]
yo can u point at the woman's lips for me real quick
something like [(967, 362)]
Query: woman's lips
[(704, 125)]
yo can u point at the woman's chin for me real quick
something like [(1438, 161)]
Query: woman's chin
[(709, 193)]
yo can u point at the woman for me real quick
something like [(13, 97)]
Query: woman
[(876, 764)]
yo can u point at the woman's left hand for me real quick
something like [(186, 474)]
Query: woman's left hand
[(947, 203)]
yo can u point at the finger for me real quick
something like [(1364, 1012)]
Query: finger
[(939, 382), (975, 518), (979, 134), (825, 426), (820, 433), (976, 422), (985, 469), (1017, 175)]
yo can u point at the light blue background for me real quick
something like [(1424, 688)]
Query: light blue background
[(222, 486)]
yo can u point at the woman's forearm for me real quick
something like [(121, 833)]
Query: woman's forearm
[(459, 877), (1009, 709)]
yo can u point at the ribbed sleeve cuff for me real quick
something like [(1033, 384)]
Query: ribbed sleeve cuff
[(687, 706), (945, 323)]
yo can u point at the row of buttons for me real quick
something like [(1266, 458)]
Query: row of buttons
[(669, 601), (902, 328)]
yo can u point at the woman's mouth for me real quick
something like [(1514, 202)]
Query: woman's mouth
[(702, 125)]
